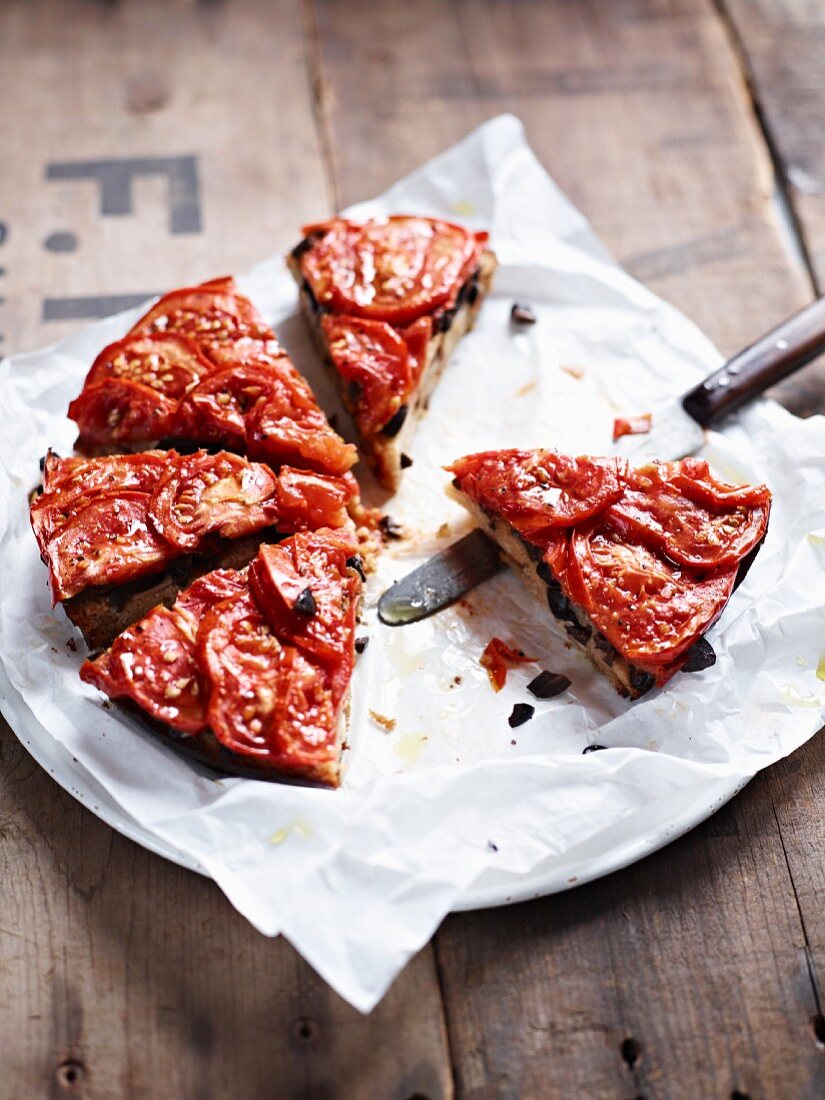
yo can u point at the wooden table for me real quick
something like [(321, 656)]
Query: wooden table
[(148, 144)]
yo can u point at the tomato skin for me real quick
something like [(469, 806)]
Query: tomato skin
[(693, 520), (311, 501), (170, 365), (201, 493), (392, 269), (211, 314), (650, 609), (217, 407), (279, 430), (121, 411), (539, 491), (316, 562), (632, 425), (110, 541), (495, 657)]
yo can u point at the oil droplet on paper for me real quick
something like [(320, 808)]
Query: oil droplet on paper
[(820, 668), (464, 208), (298, 826), (410, 746), (815, 539), (791, 695)]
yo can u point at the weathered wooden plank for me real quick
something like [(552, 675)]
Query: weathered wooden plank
[(123, 975), (639, 110)]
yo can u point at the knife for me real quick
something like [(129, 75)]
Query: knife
[(677, 430)]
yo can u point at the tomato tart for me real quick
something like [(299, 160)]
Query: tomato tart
[(201, 367), (120, 533), (387, 301), (249, 670), (636, 564)]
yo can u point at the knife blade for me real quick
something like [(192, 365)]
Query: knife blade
[(677, 429), (678, 426)]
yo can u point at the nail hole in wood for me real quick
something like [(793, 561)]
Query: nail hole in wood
[(70, 1072), (818, 1025), (737, 1095), (418, 1096), (630, 1052), (305, 1029)]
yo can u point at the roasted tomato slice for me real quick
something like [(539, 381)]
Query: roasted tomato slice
[(679, 510), (650, 609), (244, 663), (288, 427), (217, 407), (374, 363), (110, 541), (69, 484), (168, 364), (310, 501), (304, 725), (211, 314), (308, 594), (121, 411), (222, 493), (389, 269), (537, 491)]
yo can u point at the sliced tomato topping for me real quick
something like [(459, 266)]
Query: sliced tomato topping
[(495, 658), (244, 663), (537, 491), (259, 350), (374, 362), (288, 427), (417, 338), (217, 407), (110, 541), (650, 609), (688, 516), (206, 591), (389, 269), (121, 411), (211, 314), (308, 594), (632, 425), (70, 483), (222, 493), (310, 501), (304, 725), (168, 364)]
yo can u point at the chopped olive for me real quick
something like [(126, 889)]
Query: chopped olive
[(640, 680), (522, 314), (390, 529), (406, 462), (305, 604), (357, 564), (548, 684), (304, 246), (546, 573), (700, 656), (355, 390), (578, 633), (395, 424), (444, 320), (361, 643), (592, 748), (522, 712), (313, 301)]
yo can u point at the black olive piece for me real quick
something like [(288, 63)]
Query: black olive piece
[(547, 685), (592, 748), (357, 564), (354, 390), (313, 301), (43, 458), (522, 712), (700, 656), (443, 321), (406, 462), (546, 574), (641, 681), (390, 529), (304, 246), (395, 424), (522, 314), (578, 633), (361, 644), (472, 292), (746, 563), (182, 446), (456, 483), (305, 604)]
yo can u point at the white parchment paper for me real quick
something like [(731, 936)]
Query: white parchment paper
[(452, 808)]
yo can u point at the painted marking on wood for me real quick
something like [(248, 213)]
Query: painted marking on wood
[(91, 306)]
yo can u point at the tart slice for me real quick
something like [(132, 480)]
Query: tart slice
[(202, 368), (635, 564), (121, 533), (387, 302), (249, 670)]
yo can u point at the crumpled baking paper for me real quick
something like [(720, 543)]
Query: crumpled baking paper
[(452, 808)]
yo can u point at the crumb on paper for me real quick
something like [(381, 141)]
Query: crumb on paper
[(632, 425), (72, 645), (573, 879), (527, 388), (443, 531), (573, 370), (387, 724)]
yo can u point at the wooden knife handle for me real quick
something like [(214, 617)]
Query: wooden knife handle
[(782, 351)]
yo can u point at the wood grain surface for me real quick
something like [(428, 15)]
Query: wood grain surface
[(689, 132)]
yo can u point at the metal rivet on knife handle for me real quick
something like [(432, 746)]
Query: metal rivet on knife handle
[(440, 581)]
